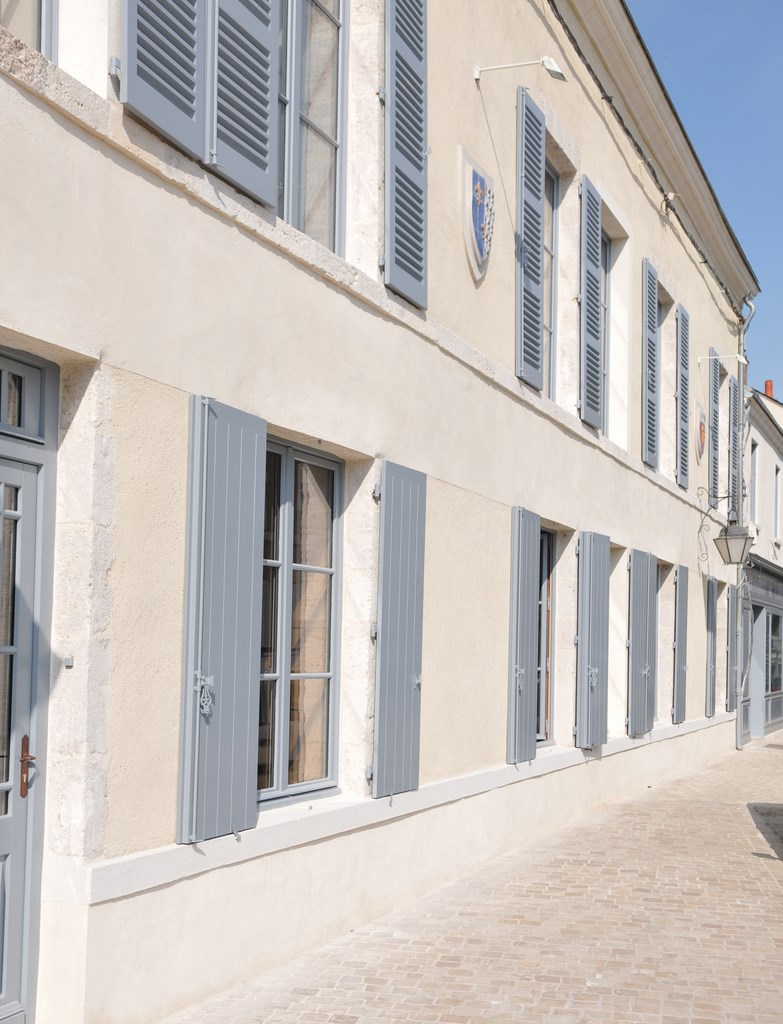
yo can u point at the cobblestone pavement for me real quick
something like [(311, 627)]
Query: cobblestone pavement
[(665, 909)]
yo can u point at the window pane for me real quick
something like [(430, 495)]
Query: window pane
[(319, 69), (317, 187), (8, 582), (6, 666), (272, 507), (269, 619), (281, 162), (10, 498), (549, 206), (313, 511), (266, 734), (775, 655), (22, 17), (282, 45), (310, 621), (14, 400), (308, 730)]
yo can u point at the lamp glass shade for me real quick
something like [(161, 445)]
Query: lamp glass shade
[(733, 544)]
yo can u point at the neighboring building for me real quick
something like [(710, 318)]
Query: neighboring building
[(762, 592), (298, 651)]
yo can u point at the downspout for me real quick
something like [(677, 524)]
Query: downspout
[(739, 676)]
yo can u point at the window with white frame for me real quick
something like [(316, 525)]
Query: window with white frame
[(551, 198), (297, 715), (30, 21), (776, 509), (606, 263), (753, 457), (544, 693)]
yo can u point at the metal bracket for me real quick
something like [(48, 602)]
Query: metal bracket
[(204, 687), (376, 492)]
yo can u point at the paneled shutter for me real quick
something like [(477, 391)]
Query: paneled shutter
[(650, 360), (680, 643), (642, 642), (531, 138), (683, 394), (734, 445), (399, 638), (223, 642), (525, 595), (731, 647), (246, 86), (714, 447), (163, 79), (406, 150), (591, 389), (592, 658), (712, 617)]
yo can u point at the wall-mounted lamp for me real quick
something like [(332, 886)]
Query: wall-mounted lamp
[(734, 541), (547, 62)]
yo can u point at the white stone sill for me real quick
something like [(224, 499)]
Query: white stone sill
[(72, 880), (106, 121)]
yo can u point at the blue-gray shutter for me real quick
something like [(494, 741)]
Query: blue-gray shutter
[(591, 373), (405, 258), (714, 439), (650, 366), (683, 394), (680, 643), (642, 642), (246, 103), (531, 139), (399, 636), (523, 669), (223, 641), (163, 68), (592, 657), (734, 445), (712, 646), (731, 647)]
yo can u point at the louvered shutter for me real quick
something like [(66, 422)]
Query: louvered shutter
[(731, 647), (163, 78), (525, 596), (642, 642), (591, 391), (734, 446), (399, 637), (714, 439), (650, 370), (223, 642), (712, 617), (680, 643), (592, 660), (246, 86), (531, 138), (406, 150), (683, 394)]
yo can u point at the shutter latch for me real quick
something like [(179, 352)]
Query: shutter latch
[(417, 681), (115, 67), (204, 687)]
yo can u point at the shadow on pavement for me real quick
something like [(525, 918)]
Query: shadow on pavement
[(768, 819)]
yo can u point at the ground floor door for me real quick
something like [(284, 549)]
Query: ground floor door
[(18, 772)]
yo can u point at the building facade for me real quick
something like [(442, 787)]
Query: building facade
[(365, 410)]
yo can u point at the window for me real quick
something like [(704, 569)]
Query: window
[(594, 309), (713, 466), (683, 395), (31, 21), (551, 197), (776, 510), (652, 316), (642, 642), (543, 689), (774, 672), (311, 42), (296, 749), (606, 262), (753, 456), (203, 76), (592, 648)]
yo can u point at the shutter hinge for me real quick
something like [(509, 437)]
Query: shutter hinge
[(115, 67), (628, 644), (629, 563), (628, 721), (376, 492), (204, 686), (382, 260), (573, 731), (381, 94), (576, 639), (370, 772), (374, 632), (417, 681)]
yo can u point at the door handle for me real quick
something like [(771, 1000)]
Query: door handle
[(25, 761)]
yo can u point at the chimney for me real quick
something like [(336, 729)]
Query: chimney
[(768, 389)]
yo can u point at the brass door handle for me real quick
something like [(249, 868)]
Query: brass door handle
[(25, 761)]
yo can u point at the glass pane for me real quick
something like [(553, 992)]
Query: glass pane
[(281, 162), (8, 582), (266, 735), (272, 507), (22, 17), (317, 188), (310, 621), (10, 498), (547, 290), (14, 400), (308, 730), (549, 206), (282, 45), (269, 613), (313, 504), (775, 655), (331, 6), (6, 679), (319, 69)]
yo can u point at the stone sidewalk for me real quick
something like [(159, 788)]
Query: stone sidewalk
[(664, 909)]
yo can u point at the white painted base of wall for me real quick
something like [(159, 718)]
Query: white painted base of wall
[(169, 927)]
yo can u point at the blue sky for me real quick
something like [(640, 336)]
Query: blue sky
[(722, 64)]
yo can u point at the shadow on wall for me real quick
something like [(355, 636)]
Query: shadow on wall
[(768, 819)]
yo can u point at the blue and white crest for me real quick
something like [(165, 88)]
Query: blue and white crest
[(478, 198)]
